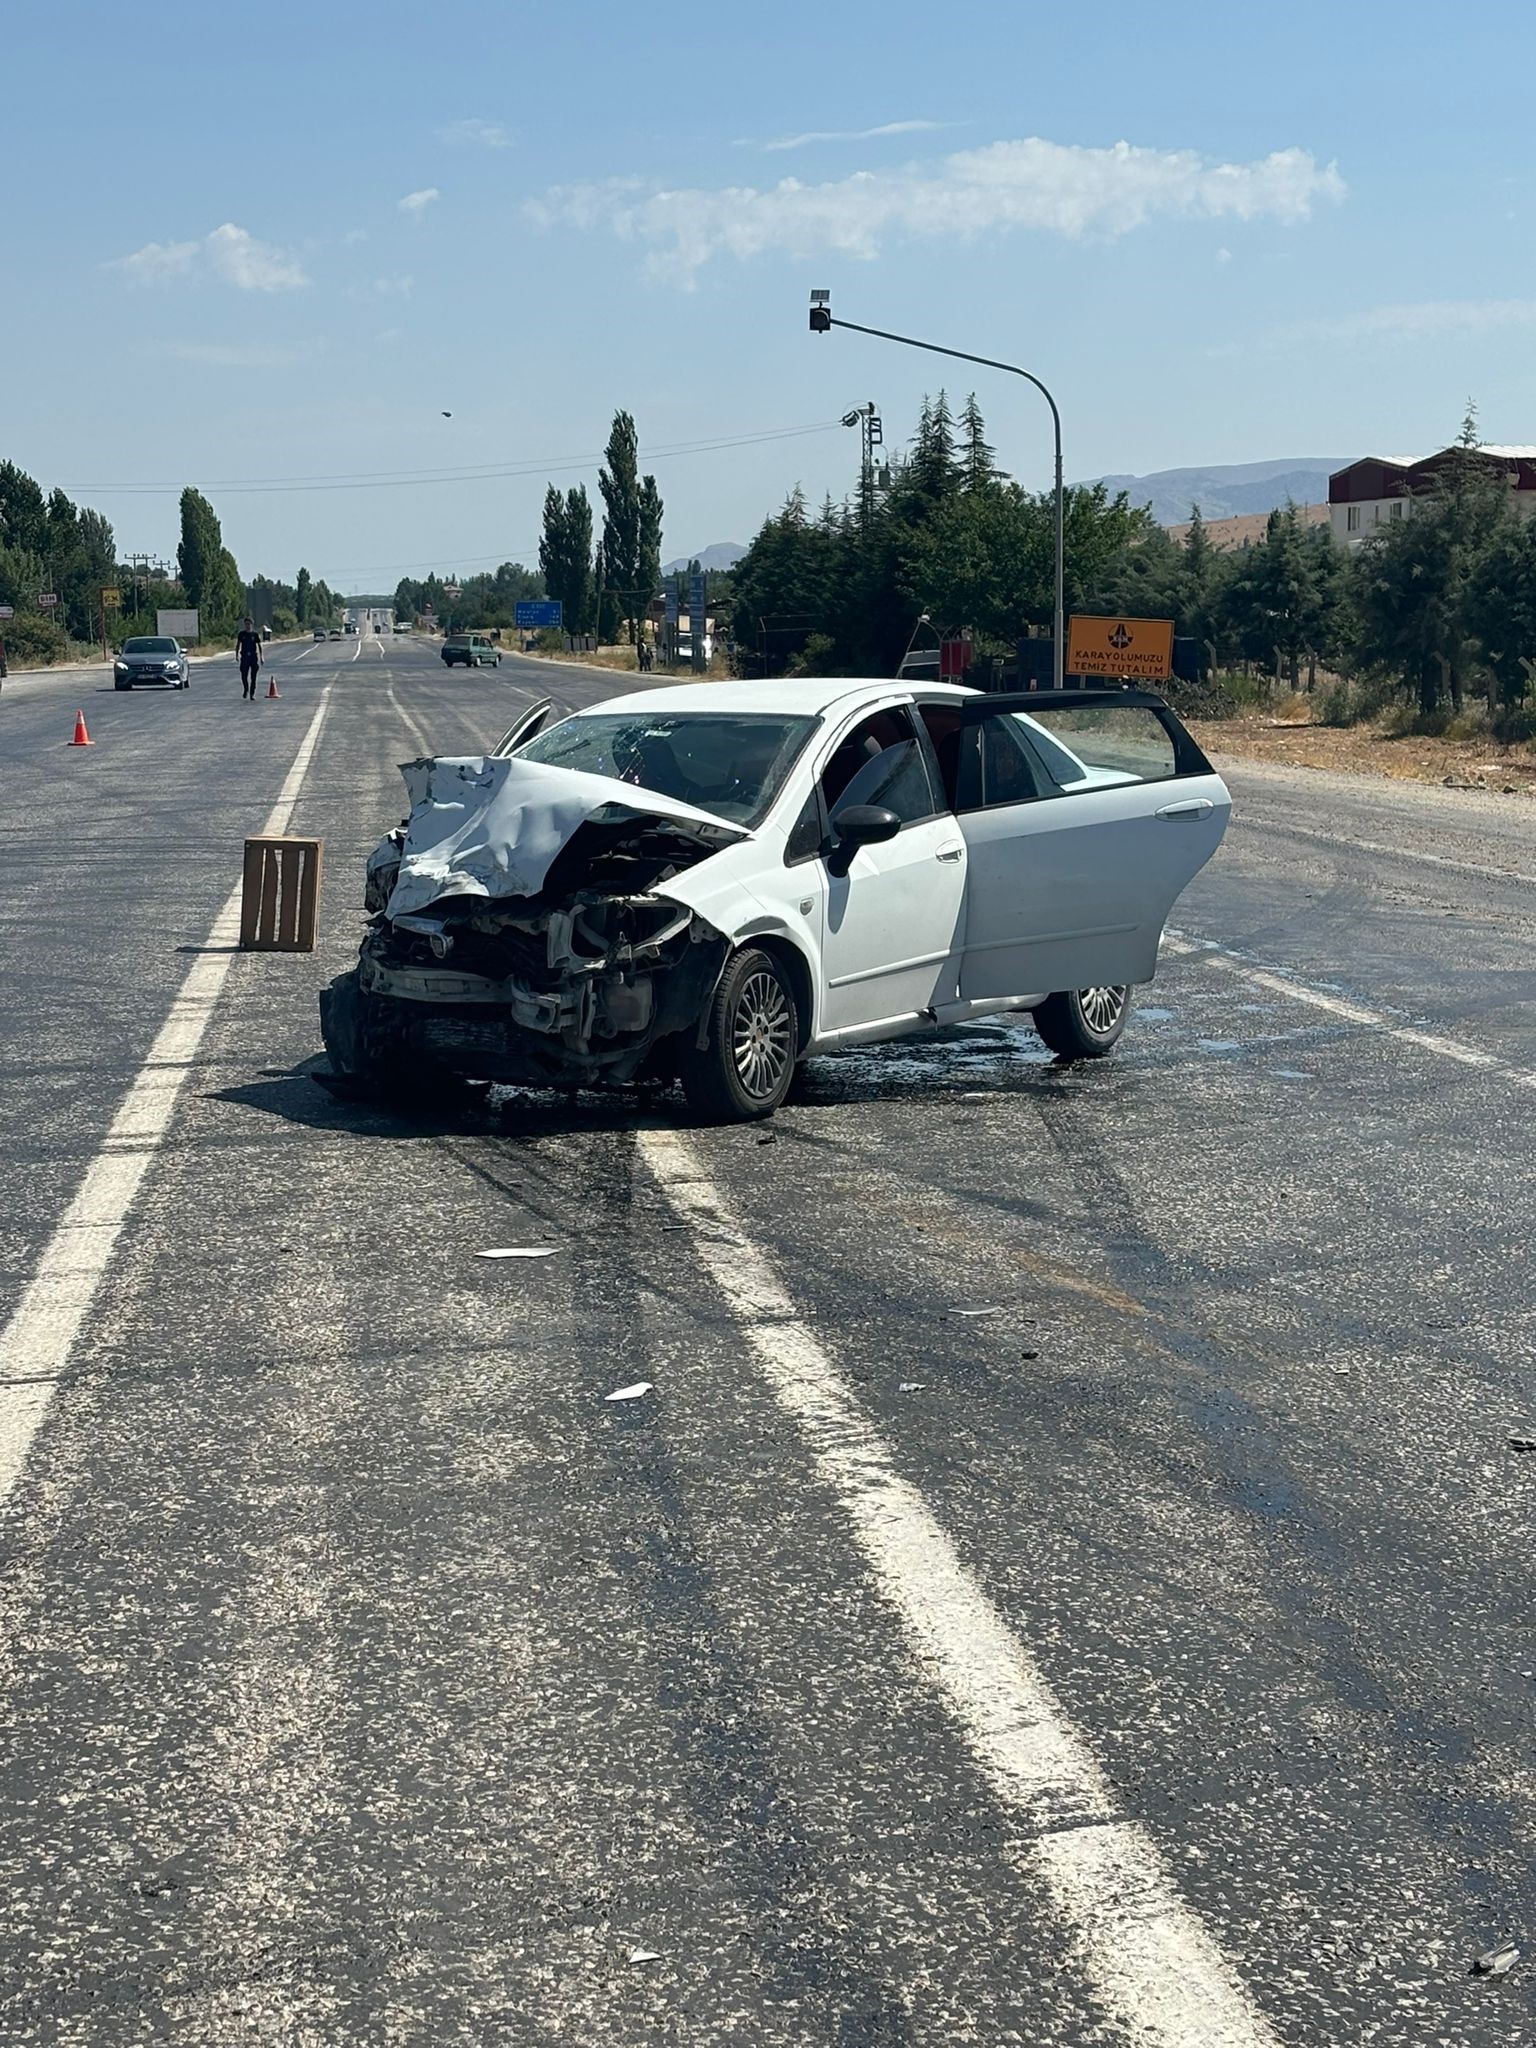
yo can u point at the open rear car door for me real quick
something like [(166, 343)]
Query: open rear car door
[(1085, 814)]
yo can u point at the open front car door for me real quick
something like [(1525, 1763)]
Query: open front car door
[(1085, 814)]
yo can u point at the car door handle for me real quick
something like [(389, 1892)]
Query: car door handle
[(1188, 812), (950, 853)]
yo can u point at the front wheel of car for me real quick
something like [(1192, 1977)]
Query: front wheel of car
[(1083, 1023), (122, 686), (744, 1068)]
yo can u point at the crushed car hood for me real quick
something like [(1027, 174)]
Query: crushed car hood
[(491, 827)]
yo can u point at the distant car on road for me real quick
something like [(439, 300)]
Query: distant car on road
[(335, 632), (319, 632), (471, 650), (151, 660)]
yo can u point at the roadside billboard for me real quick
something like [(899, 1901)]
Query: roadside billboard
[(1141, 649), (534, 614), (176, 625)]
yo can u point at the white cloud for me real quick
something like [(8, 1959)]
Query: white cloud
[(1223, 255), (394, 287), (417, 202), (486, 134), (1421, 320), (1052, 187), (253, 266), (230, 252), (848, 134), (156, 260), (355, 235)]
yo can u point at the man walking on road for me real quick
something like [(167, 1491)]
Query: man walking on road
[(248, 650)]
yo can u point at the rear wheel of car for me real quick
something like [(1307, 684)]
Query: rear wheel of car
[(1083, 1023), (744, 1069)]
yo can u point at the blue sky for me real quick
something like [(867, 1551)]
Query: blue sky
[(279, 242)]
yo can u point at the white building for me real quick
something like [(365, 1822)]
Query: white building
[(1378, 489)]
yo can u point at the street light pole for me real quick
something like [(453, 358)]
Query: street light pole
[(822, 319)]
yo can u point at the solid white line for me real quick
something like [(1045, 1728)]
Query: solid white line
[(35, 1344), (1150, 1959), (1353, 1013)]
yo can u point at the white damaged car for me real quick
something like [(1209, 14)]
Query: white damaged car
[(711, 882)]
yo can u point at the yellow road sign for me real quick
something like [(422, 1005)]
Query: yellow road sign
[(112, 599), (1140, 648)]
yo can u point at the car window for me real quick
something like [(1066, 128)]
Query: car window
[(142, 646), (731, 763), (1103, 743), (805, 839), (879, 762), (994, 766)]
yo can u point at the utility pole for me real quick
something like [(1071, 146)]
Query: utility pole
[(871, 437), (822, 322)]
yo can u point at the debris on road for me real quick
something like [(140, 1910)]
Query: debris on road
[(1497, 1962), (1029, 1354), (995, 1311), (519, 1251), (909, 1386), (1522, 1443), (643, 1955), (630, 1393)]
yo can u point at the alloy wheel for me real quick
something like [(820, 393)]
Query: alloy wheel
[(760, 1035), (1102, 1008)]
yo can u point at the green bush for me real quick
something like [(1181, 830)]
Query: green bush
[(31, 641), (1345, 702), (1467, 724), (1515, 724)]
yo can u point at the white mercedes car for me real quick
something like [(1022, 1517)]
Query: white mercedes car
[(712, 882)]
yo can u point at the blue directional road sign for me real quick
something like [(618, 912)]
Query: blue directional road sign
[(532, 613)]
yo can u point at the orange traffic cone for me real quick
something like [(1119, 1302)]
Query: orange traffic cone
[(272, 690), (82, 738)]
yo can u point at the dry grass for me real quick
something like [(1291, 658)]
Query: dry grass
[(1476, 763)]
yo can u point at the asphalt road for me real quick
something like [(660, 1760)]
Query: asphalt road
[(1069, 1583)]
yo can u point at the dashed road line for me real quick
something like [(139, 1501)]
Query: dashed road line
[(1152, 1962), (1347, 843), (37, 1340), (1339, 1006)]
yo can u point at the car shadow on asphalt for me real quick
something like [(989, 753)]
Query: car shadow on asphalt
[(944, 1066)]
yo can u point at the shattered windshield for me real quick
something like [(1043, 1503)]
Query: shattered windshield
[(731, 763)]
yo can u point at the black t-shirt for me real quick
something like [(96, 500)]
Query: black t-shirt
[(248, 647)]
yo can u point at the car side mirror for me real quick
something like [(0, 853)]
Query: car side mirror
[(860, 825)]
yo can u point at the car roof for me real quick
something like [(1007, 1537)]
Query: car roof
[(805, 696)]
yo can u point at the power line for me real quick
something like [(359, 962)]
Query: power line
[(362, 480)]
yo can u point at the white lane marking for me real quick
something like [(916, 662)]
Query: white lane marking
[(1347, 843), (1149, 1957), (36, 1342), (357, 647), (409, 723), (1353, 1013)]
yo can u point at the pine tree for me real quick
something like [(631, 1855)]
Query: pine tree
[(577, 594), (976, 461), (619, 482), (301, 598), (648, 562)]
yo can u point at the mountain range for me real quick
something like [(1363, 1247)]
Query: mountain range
[(1225, 489), (720, 554)]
